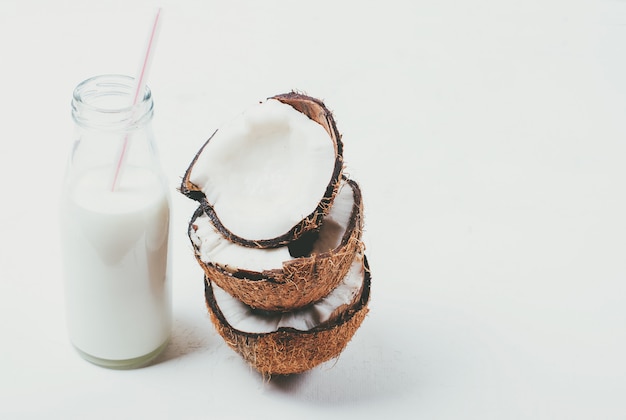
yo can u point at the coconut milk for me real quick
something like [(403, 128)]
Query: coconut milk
[(118, 291)]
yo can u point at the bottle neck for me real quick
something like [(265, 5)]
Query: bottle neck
[(111, 132), (105, 103)]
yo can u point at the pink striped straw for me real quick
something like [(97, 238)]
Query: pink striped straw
[(139, 88)]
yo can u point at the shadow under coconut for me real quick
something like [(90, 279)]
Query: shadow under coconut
[(376, 364), (187, 338)]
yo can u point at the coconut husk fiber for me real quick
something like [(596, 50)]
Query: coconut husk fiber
[(299, 282), (289, 351)]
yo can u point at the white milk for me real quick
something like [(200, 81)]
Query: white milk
[(118, 289)]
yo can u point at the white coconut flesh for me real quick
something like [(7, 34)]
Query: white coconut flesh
[(213, 248), (265, 171), (243, 318)]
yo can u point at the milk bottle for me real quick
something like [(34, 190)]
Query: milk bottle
[(115, 229)]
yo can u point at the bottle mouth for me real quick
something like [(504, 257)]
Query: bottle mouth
[(106, 102)]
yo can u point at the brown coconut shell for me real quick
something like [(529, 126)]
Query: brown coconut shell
[(299, 282), (316, 111), (287, 350)]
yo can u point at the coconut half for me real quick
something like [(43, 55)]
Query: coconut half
[(270, 175), (291, 276), (282, 344)]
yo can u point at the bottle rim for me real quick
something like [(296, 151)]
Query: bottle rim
[(106, 102)]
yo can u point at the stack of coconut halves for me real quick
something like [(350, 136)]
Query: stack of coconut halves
[(278, 235)]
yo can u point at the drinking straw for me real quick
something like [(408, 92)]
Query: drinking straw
[(140, 82)]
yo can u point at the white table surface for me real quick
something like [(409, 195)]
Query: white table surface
[(488, 138)]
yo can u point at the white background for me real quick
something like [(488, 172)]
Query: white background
[(489, 141)]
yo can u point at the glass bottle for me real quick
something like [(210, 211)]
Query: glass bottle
[(115, 217)]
